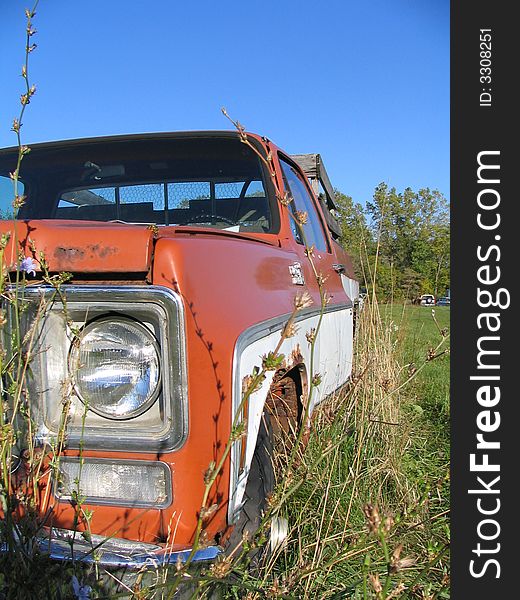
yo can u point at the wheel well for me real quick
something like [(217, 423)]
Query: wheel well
[(285, 400)]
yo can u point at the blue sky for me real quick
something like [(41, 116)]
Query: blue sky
[(365, 84)]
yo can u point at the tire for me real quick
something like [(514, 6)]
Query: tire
[(260, 484)]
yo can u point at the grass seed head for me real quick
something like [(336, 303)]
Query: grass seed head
[(290, 330), (373, 517), (388, 524), (221, 567), (284, 199), (311, 335), (375, 583), (207, 513), (397, 591), (302, 300), (301, 216)]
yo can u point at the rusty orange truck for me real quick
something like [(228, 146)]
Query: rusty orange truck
[(185, 268)]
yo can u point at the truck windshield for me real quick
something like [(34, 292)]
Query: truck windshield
[(196, 181)]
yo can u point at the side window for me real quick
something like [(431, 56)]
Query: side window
[(6, 197), (302, 201)]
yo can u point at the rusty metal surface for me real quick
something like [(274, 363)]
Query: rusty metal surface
[(82, 246)]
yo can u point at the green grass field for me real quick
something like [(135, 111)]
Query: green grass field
[(419, 331), (381, 452), (427, 405)]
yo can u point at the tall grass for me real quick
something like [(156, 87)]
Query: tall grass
[(367, 498)]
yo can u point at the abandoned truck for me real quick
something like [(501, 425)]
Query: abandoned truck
[(185, 268)]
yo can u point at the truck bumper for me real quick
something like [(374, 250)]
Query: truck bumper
[(115, 553)]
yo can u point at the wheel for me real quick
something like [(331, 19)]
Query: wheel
[(259, 486)]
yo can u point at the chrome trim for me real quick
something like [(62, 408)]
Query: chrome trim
[(129, 300), (112, 553), (279, 532), (265, 328), (247, 337)]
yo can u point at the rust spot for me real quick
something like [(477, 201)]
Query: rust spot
[(284, 411), (71, 254), (101, 251)]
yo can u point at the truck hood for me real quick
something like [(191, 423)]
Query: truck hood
[(83, 246)]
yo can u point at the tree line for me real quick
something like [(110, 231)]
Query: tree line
[(399, 242)]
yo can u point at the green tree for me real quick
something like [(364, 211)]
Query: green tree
[(413, 233), (356, 236)]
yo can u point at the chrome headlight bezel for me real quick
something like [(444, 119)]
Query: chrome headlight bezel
[(163, 426)]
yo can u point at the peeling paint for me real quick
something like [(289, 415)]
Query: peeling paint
[(102, 251), (71, 254)]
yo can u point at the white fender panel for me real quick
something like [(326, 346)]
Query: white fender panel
[(332, 360)]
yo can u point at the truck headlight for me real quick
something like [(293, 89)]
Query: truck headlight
[(121, 383), (115, 366)]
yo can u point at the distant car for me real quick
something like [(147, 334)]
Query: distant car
[(443, 301), (426, 300)]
